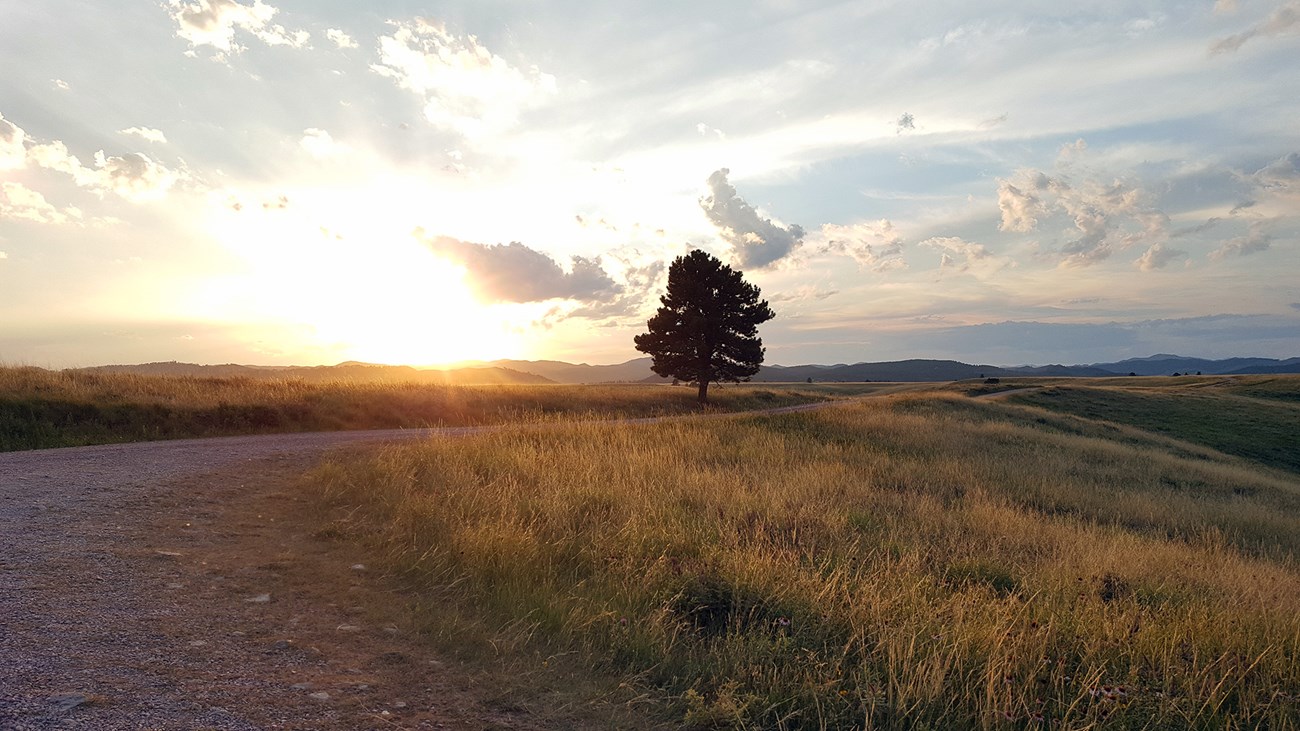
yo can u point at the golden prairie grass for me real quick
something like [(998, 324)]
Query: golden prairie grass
[(917, 562), (42, 408)]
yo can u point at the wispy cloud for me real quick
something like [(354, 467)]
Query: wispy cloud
[(1284, 19), (465, 87), (1258, 237), (874, 245), (145, 133)]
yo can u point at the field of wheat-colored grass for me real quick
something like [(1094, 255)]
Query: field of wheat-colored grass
[(922, 561), (41, 408)]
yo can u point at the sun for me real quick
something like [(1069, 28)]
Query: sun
[(377, 297)]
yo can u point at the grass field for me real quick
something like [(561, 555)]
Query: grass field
[(41, 408), (1105, 560)]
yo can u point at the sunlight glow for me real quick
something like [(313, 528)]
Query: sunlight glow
[(378, 297)]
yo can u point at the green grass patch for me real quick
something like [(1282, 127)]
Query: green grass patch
[(1258, 429)]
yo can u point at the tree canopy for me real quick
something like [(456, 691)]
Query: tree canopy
[(706, 329)]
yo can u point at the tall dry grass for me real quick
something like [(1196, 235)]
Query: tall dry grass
[(42, 408), (923, 562)]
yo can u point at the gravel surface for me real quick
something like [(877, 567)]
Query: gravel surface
[(108, 621), (149, 586)]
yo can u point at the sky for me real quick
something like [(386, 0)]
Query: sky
[(406, 181)]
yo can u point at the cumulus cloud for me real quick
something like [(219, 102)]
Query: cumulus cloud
[(319, 143), (134, 175), (1021, 205), (1157, 256), (18, 202), (757, 241), (1258, 237), (340, 39), (214, 22), (465, 87), (874, 245), (1285, 19), (145, 133), (1106, 216), (516, 273)]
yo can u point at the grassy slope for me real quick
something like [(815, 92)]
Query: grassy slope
[(920, 562), (1257, 418), (40, 408)]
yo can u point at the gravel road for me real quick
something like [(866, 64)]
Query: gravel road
[(141, 587)]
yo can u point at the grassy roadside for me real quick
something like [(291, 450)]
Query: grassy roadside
[(41, 408), (918, 562)]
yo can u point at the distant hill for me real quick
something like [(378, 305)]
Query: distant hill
[(632, 371), (1165, 365), (351, 371), (638, 371)]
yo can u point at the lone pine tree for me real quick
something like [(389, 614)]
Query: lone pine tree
[(706, 330)]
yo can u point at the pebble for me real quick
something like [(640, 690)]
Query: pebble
[(320, 695), (259, 599), (358, 567), (348, 628)]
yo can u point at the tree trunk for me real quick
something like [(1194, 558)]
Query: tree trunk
[(704, 392)]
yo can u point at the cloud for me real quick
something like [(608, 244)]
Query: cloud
[(516, 273), (1295, 305), (1279, 178), (874, 245), (340, 39), (13, 153), (3, 255), (60, 84), (993, 121), (319, 143), (134, 176), (1106, 216), (465, 87), (1258, 238), (632, 295), (214, 22), (906, 122), (1284, 19), (1157, 257), (757, 241), (18, 202), (145, 133), (1022, 205), (959, 255)]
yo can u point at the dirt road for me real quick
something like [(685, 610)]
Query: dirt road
[(171, 585)]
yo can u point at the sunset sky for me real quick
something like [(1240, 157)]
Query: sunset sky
[(402, 181)]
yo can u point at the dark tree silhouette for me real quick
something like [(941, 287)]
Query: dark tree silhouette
[(706, 330)]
